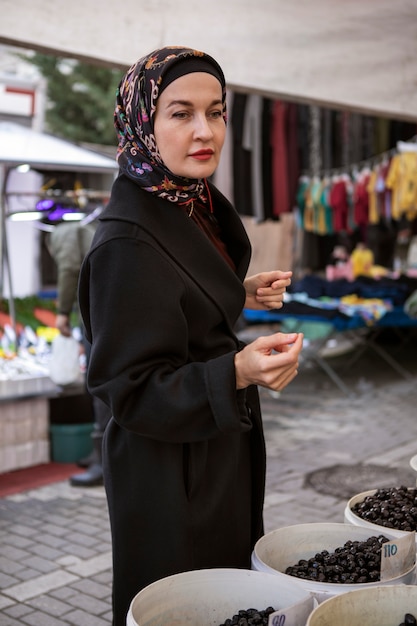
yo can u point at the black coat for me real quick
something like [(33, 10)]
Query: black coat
[(184, 455)]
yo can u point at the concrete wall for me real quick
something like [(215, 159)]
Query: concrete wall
[(356, 54)]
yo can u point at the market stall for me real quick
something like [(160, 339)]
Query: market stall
[(25, 385)]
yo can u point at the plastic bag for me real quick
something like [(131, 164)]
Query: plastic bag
[(64, 366)]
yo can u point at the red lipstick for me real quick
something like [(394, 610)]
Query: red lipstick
[(202, 155)]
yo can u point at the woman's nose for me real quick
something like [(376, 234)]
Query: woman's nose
[(202, 127)]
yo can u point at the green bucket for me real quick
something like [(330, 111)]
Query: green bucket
[(70, 442)]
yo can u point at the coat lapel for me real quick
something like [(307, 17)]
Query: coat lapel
[(186, 244)]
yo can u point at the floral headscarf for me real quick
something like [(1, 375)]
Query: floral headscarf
[(137, 153)]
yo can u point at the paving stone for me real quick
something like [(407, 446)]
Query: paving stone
[(46, 552), (37, 618), (105, 578), (17, 541), (50, 605), (53, 529), (39, 585), (86, 527), (107, 617), (63, 593), (41, 564), (7, 565), (80, 551), (92, 566), (10, 621), (92, 588), (6, 580), (25, 531), (28, 573), (13, 553), (82, 618), (5, 603), (82, 539), (52, 541), (17, 610), (88, 603)]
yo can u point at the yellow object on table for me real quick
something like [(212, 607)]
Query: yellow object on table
[(362, 261)]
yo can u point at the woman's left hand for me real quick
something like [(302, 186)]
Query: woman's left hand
[(266, 290)]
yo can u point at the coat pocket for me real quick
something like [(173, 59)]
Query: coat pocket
[(194, 464)]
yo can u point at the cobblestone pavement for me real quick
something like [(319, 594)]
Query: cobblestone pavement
[(55, 556)]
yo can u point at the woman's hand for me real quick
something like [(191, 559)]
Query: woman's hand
[(270, 362), (266, 290)]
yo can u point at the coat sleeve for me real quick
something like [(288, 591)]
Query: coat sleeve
[(134, 303)]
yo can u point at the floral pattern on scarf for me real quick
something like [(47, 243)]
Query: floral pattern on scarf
[(137, 153)]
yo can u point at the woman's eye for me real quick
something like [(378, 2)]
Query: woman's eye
[(216, 114), (181, 115)]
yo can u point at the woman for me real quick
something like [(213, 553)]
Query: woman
[(160, 293)]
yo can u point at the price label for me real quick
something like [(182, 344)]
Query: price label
[(293, 615), (398, 556)]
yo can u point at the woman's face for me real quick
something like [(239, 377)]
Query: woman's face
[(189, 126)]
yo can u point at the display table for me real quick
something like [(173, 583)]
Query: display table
[(29, 403), (24, 422)]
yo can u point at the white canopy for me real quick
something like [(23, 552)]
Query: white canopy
[(20, 145), (356, 54)]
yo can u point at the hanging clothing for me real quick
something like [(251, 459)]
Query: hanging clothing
[(318, 208), (267, 181), (384, 195), (339, 202), (328, 216), (402, 180), (223, 176), (242, 166), (373, 213), (361, 199), (292, 154), (303, 186), (280, 176), (252, 141)]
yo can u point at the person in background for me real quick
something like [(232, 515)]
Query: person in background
[(68, 244), (160, 292)]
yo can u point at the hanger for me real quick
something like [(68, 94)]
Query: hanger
[(406, 146)]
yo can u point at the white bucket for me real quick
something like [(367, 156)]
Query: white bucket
[(379, 606), (351, 517), (413, 463), (284, 547), (208, 597)]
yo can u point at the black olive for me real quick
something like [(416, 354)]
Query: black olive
[(355, 561), (393, 508), (250, 617)]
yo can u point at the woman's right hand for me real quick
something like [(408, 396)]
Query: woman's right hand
[(270, 361)]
